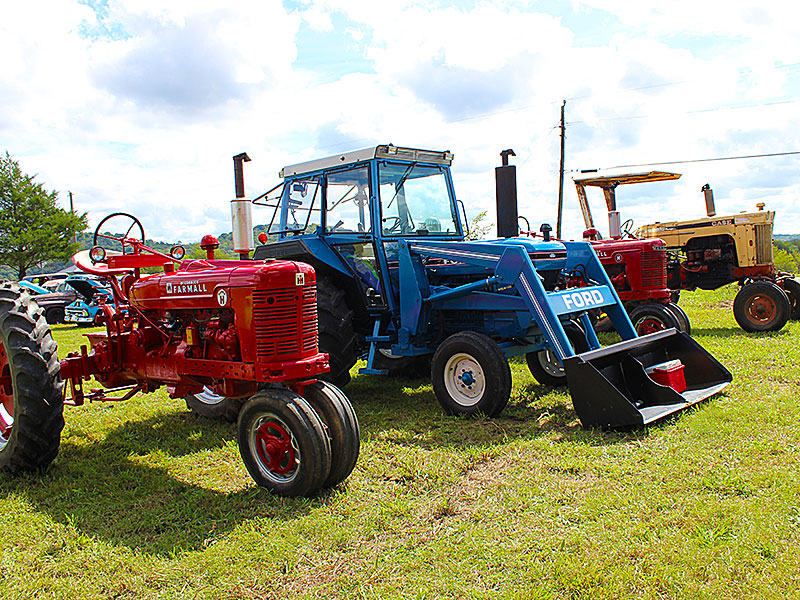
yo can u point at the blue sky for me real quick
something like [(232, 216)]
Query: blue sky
[(140, 104)]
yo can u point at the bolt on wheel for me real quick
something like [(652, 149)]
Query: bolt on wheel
[(464, 379)]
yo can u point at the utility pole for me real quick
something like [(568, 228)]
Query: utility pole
[(72, 211), (561, 173)]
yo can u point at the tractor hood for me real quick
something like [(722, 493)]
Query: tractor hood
[(87, 288), (546, 256)]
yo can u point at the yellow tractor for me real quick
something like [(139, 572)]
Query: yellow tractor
[(713, 251)]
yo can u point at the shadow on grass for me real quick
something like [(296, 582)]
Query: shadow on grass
[(101, 490), (735, 332), (407, 412)]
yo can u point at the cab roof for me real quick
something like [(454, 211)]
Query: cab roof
[(612, 181), (387, 151)]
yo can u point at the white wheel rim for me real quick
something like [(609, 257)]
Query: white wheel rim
[(550, 363), (209, 397), (464, 379)]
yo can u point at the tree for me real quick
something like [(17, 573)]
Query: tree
[(33, 228)]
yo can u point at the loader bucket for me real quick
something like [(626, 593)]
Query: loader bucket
[(611, 387)]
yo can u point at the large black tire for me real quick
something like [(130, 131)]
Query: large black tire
[(791, 288), (341, 424), (31, 406), (684, 325), (651, 317), (283, 443), (761, 306), (54, 315), (470, 375), (336, 334), (545, 366), (213, 406)]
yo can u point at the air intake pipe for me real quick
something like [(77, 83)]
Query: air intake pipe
[(506, 192)]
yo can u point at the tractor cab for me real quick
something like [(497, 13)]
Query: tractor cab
[(354, 211)]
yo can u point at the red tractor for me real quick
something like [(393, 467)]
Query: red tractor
[(245, 330), (636, 267)]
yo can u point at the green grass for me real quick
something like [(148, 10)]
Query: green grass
[(146, 500)]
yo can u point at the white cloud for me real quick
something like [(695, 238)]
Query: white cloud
[(142, 107)]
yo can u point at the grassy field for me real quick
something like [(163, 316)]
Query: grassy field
[(146, 500)]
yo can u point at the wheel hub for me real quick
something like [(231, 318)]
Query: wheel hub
[(6, 397), (464, 379), (761, 308), (648, 325), (274, 448)]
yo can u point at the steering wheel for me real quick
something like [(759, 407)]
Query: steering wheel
[(394, 226), (121, 239), (626, 228)]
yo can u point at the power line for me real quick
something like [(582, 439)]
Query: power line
[(692, 112), (696, 160)]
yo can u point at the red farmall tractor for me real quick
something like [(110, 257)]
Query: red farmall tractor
[(245, 330), (636, 267)]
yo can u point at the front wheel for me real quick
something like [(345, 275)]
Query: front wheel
[(684, 325), (341, 423), (652, 317), (761, 306), (31, 406), (791, 287), (213, 406), (471, 375), (544, 364), (283, 443)]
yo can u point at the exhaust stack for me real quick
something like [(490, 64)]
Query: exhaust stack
[(241, 211), (709, 196), (506, 192)]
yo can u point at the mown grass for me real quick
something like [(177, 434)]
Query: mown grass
[(145, 500)]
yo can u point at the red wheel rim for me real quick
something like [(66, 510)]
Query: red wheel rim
[(274, 448), (760, 309), (648, 325), (6, 397)]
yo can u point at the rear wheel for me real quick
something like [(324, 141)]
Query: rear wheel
[(283, 443), (471, 375), (791, 288), (31, 406), (761, 306), (340, 421), (651, 317), (213, 406), (54, 315), (336, 335), (680, 315), (544, 364)]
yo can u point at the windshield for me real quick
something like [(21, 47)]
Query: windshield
[(415, 200)]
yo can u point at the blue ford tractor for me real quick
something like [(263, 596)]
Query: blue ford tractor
[(400, 284)]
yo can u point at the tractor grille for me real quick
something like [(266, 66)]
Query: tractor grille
[(764, 244), (654, 270), (285, 322)]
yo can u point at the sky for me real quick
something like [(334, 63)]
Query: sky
[(139, 105)]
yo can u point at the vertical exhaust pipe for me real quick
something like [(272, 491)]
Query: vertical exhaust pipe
[(241, 211), (709, 196), (506, 193)]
